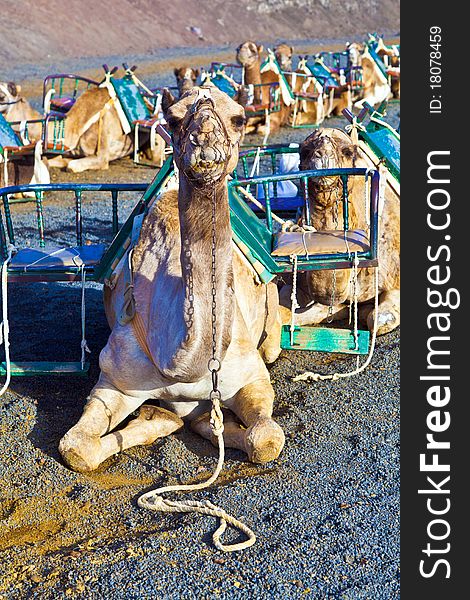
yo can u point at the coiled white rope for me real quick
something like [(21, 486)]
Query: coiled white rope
[(154, 501)]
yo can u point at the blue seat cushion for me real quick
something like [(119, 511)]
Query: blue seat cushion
[(57, 259)]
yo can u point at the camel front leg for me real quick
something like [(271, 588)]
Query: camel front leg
[(259, 435), (92, 440)]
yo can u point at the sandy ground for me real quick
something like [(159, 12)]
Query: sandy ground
[(326, 512)]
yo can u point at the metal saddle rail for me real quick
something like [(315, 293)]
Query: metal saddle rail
[(259, 237), (261, 108), (233, 70), (59, 97), (45, 269), (52, 143)]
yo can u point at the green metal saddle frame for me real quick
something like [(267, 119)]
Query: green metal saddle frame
[(251, 235)]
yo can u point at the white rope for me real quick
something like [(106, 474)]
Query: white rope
[(83, 343), (293, 298), (154, 501), (4, 326)]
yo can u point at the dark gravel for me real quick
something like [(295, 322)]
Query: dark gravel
[(326, 513)]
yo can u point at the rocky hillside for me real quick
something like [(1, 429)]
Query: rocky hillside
[(34, 32)]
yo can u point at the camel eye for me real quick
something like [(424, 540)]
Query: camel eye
[(347, 151), (239, 121)]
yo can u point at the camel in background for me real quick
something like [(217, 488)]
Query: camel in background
[(186, 78), (330, 290), (249, 57), (15, 107)]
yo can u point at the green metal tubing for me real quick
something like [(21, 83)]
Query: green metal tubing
[(9, 224), (114, 197), (40, 218), (344, 179), (78, 217), (267, 201)]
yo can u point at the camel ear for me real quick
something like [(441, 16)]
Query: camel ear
[(167, 101), (260, 49), (196, 73), (13, 88), (291, 49), (176, 71)]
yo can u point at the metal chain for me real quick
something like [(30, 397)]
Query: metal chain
[(216, 420), (189, 287)]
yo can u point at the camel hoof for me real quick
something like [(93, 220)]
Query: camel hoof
[(386, 321), (264, 441), (81, 453)]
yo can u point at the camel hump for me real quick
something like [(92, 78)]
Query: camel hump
[(89, 103)]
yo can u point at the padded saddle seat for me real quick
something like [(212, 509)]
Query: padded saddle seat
[(62, 105), (29, 260), (146, 122), (310, 243), (257, 107)]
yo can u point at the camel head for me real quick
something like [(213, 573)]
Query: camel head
[(327, 149), (248, 54), (355, 51), (9, 94), (207, 127), (186, 78), (283, 54)]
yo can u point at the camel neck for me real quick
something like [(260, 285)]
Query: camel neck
[(253, 73), (198, 256)]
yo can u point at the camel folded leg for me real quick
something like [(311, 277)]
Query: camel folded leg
[(59, 162), (388, 317), (96, 162), (92, 440), (259, 435)]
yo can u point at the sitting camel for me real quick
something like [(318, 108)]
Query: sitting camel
[(184, 261), (316, 104), (332, 148), (376, 85), (249, 57), (15, 107), (186, 78), (94, 135)]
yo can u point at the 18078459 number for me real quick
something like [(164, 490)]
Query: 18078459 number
[(435, 55)]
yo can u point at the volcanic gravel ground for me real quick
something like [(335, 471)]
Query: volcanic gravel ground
[(326, 513)]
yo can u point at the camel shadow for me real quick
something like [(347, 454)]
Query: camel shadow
[(45, 325)]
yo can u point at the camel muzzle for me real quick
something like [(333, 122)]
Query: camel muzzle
[(205, 149)]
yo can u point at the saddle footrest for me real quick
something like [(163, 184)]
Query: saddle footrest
[(34, 369), (325, 339)]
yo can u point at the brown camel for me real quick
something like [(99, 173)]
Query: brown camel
[(283, 53), (15, 107), (249, 57), (317, 103), (186, 78), (94, 134), (332, 148), (184, 261)]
